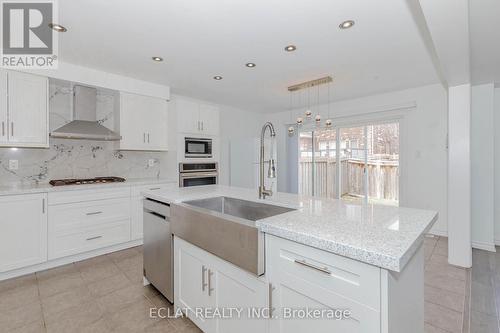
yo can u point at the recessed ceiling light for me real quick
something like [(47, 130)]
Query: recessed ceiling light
[(250, 64), (57, 27), (218, 77), (158, 59), (346, 24), (290, 48)]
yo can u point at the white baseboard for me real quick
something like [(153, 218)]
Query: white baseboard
[(484, 246), (67, 260)]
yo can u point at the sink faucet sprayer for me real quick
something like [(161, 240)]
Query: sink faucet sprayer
[(271, 172)]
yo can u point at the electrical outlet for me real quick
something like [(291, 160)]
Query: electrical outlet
[(13, 164), (151, 162)]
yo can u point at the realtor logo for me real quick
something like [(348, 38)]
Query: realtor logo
[(27, 39)]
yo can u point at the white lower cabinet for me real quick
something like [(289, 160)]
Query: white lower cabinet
[(78, 225), (308, 278), (23, 231), (204, 283)]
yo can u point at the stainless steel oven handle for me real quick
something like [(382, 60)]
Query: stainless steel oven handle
[(198, 175)]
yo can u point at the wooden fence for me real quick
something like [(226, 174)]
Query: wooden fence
[(383, 178)]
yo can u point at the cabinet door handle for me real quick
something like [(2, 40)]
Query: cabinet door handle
[(198, 125), (12, 129), (92, 238), (202, 126), (3, 128), (317, 268), (143, 137), (210, 289), (203, 283), (43, 206), (271, 309), (148, 137), (94, 213)]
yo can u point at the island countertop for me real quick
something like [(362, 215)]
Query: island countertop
[(382, 236)]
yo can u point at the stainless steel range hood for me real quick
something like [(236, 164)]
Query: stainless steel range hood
[(85, 125)]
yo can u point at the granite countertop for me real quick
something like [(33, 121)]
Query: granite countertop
[(13, 189), (382, 236)]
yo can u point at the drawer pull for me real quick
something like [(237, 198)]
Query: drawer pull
[(317, 268), (92, 238), (94, 213), (154, 188)]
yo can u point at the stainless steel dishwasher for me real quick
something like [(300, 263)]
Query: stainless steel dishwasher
[(158, 247)]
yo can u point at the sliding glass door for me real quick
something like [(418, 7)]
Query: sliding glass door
[(360, 164)]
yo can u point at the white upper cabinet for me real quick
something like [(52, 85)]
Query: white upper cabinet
[(4, 121), (24, 110), (197, 118), (142, 122)]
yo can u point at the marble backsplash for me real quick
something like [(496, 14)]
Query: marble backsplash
[(81, 158)]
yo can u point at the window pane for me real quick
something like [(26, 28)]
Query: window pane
[(352, 163), (383, 163)]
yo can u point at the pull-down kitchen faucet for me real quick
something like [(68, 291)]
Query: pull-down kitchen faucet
[(271, 173)]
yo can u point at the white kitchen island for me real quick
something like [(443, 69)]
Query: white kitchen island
[(366, 262)]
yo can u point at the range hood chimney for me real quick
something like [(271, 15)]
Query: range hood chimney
[(85, 125)]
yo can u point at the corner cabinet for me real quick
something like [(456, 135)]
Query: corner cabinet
[(204, 283), (23, 231), (24, 110), (142, 121), (197, 118)]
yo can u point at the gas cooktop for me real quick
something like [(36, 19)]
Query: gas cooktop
[(97, 180)]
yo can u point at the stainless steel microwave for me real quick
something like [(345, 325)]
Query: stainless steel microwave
[(197, 148)]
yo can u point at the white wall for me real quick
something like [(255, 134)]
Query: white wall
[(459, 176), (497, 165), (244, 128), (425, 177), (482, 166)]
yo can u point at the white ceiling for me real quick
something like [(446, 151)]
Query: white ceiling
[(199, 39), (485, 46)]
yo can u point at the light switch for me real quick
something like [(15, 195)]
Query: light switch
[(151, 162), (13, 164)]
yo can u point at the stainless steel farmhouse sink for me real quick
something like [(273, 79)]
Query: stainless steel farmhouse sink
[(225, 227)]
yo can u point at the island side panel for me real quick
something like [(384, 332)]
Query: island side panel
[(402, 297)]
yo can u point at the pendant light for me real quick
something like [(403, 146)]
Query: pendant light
[(328, 122), (291, 129)]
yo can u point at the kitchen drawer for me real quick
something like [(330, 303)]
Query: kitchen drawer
[(348, 278), (81, 195), (82, 215), (77, 241), (136, 190)]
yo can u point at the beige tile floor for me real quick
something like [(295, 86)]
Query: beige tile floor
[(105, 294), (446, 300), (102, 294), (485, 294)]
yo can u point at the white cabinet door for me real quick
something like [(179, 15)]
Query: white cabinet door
[(23, 231), (132, 122), (188, 116), (157, 120), (137, 216), (209, 119), (205, 281), (4, 121), (143, 122), (191, 283), (237, 289), (28, 111)]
